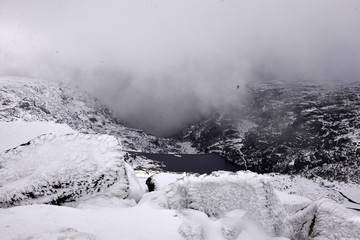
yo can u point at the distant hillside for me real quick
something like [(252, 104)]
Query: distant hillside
[(313, 130)]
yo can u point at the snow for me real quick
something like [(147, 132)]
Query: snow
[(108, 198), (186, 148), (107, 223), (110, 217), (292, 203), (137, 161), (136, 189), (113, 222), (317, 188), (221, 192), (325, 219), (12, 134), (52, 168)]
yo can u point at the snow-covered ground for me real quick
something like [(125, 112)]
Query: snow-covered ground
[(108, 217), (142, 221), (12, 134)]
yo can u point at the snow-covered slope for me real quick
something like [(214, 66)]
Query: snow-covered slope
[(60, 169), (29, 99), (299, 128)]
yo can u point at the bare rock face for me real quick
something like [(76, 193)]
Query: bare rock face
[(61, 169)]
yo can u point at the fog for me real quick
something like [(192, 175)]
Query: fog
[(163, 64)]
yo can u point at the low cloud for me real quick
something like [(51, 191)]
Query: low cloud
[(164, 64)]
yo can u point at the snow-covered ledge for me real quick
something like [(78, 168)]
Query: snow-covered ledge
[(60, 169)]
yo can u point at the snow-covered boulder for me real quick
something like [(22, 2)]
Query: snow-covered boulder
[(221, 192), (324, 219), (60, 169)]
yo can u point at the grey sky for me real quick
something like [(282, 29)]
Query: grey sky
[(162, 64)]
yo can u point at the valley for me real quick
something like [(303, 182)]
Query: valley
[(70, 169)]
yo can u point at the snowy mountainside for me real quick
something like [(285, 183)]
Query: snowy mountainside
[(28, 99), (61, 169), (307, 129)]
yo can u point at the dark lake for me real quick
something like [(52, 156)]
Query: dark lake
[(197, 163)]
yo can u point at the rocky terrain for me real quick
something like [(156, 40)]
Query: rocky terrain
[(29, 99), (307, 129)]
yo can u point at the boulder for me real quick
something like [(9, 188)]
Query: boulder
[(58, 170)]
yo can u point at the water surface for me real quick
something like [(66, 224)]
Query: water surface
[(196, 163)]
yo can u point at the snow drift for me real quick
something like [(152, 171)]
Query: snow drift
[(221, 192), (61, 169)]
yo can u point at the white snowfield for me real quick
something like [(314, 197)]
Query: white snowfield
[(12, 134), (59, 169)]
